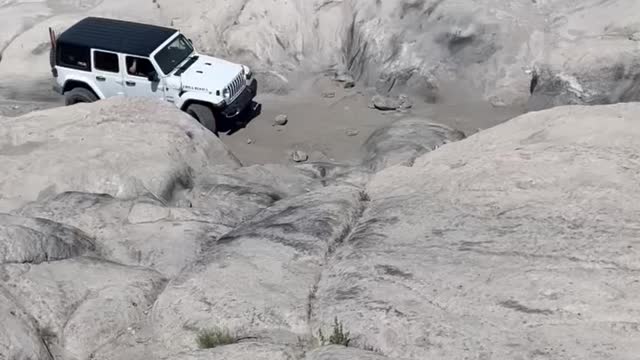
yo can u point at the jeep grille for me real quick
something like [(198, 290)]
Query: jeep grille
[(236, 86)]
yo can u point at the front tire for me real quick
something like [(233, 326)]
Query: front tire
[(79, 95), (204, 115)]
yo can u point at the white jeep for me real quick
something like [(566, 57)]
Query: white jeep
[(97, 58)]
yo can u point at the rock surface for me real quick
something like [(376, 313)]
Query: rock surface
[(242, 351), (589, 58), (19, 337), (404, 140), (140, 232), (35, 240), (258, 279), (607, 72), (335, 352), (105, 148), (83, 303), (518, 242)]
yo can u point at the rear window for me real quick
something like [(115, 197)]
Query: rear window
[(77, 57), (106, 61)]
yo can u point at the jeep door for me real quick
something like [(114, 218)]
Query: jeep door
[(136, 78), (107, 70)]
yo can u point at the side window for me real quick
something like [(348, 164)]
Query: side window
[(106, 61), (137, 66), (74, 56)]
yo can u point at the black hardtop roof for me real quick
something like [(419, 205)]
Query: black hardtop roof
[(116, 35)]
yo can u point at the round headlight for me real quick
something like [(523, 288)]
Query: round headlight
[(226, 93)]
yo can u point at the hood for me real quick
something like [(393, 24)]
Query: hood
[(208, 73)]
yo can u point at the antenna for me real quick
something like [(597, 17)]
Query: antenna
[(52, 38)]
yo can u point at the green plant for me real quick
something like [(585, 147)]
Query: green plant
[(338, 337), (211, 338)]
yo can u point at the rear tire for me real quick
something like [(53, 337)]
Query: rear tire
[(204, 115), (79, 95)]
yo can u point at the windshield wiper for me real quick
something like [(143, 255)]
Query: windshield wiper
[(186, 65)]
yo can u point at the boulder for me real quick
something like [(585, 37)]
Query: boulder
[(258, 279), (586, 58), (387, 103), (105, 147), (587, 72), (35, 240), (404, 140), (80, 304), (518, 242)]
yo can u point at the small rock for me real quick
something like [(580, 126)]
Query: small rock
[(249, 141), (635, 36), (299, 156), (349, 84), (352, 132), (497, 102), (281, 120), (346, 79), (385, 103), (328, 94), (405, 102)]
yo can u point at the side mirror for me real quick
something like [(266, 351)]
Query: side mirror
[(153, 76)]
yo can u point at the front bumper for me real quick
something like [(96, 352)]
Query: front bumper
[(242, 101), (57, 88)]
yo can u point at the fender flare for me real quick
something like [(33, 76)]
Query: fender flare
[(191, 96), (84, 80)]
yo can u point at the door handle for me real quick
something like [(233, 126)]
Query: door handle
[(101, 78), (130, 83)]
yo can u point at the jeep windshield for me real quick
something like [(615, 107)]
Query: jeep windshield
[(174, 54)]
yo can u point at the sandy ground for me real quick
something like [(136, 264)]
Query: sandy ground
[(320, 126)]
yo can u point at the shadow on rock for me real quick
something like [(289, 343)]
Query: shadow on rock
[(256, 280), (404, 140), (35, 240)]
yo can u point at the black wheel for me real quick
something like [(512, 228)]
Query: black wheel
[(79, 95), (204, 115)]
